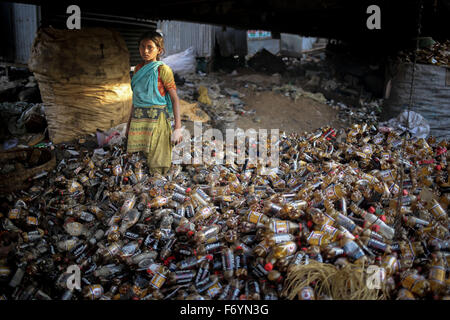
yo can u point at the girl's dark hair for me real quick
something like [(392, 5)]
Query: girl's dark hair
[(157, 38)]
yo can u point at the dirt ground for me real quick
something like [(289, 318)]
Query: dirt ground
[(276, 111)]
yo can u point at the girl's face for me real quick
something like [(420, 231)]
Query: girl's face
[(148, 50)]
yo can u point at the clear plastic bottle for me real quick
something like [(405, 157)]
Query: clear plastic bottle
[(93, 292), (130, 219), (283, 226), (202, 213), (415, 283), (159, 277), (353, 251), (207, 232), (228, 263), (254, 217), (435, 208), (158, 202), (372, 219), (277, 238), (437, 273), (280, 251)]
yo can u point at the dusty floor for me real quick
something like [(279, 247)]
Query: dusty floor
[(276, 111)]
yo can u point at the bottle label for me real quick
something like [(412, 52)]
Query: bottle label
[(282, 237), (307, 294), (377, 244), (386, 175), (214, 290), (280, 226), (254, 217), (347, 223), (14, 214), (330, 192), (158, 280), (178, 197), (290, 248), (394, 189), (353, 250), (117, 170), (32, 221), (162, 201), (315, 238), (329, 230), (128, 204), (411, 281), (437, 211), (205, 212), (83, 179), (437, 273)]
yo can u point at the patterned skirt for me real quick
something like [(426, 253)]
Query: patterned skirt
[(150, 132)]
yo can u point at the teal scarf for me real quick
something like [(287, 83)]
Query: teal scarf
[(145, 88)]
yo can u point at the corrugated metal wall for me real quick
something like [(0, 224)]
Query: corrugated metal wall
[(179, 36), (6, 32), (25, 23)]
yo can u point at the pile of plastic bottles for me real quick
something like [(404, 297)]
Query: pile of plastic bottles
[(100, 227)]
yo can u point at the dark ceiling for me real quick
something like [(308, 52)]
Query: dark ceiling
[(333, 19)]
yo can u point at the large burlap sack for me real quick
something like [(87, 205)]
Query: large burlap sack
[(430, 99), (84, 79)]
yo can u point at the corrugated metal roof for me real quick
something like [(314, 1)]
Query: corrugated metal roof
[(179, 36)]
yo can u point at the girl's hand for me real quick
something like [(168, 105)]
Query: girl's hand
[(177, 136)]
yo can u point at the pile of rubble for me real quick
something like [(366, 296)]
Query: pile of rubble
[(436, 54)]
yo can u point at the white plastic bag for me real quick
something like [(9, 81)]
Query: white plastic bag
[(418, 126), (182, 63), (113, 136)]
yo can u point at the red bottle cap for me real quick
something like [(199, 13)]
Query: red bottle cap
[(372, 209), (254, 145), (190, 233), (239, 248), (438, 167), (188, 189), (383, 218), (268, 267), (405, 192), (304, 249), (356, 236), (309, 224), (376, 228), (238, 151), (300, 227), (209, 257), (405, 219), (125, 179)]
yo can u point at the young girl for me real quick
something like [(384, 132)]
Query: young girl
[(155, 103)]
